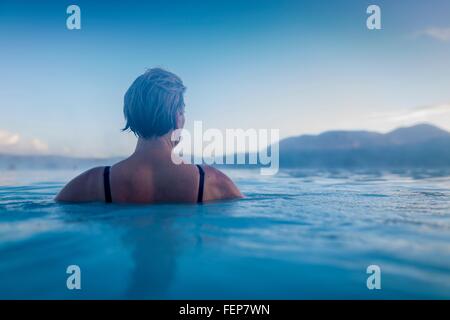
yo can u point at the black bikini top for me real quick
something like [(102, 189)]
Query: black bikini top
[(107, 184)]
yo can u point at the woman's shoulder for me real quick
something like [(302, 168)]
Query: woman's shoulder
[(218, 186), (87, 186)]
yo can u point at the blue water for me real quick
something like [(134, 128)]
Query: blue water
[(300, 234)]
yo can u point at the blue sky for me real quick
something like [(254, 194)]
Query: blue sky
[(299, 66)]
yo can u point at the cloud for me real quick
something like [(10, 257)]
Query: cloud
[(14, 143), (419, 114), (8, 139), (440, 34)]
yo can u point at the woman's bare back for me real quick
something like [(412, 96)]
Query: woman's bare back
[(136, 181)]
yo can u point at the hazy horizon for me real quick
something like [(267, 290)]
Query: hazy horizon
[(3, 152)]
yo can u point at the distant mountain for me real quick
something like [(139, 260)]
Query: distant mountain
[(416, 134), (422, 145)]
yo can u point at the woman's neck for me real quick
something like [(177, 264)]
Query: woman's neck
[(149, 148)]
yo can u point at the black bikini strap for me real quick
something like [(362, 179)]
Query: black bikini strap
[(201, 184), (106, 185)]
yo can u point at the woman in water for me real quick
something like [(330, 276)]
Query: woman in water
[(153, 109)]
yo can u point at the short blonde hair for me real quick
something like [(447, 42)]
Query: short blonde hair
[(152, 102)]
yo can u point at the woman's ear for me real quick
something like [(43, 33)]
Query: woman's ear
[(180, 119)]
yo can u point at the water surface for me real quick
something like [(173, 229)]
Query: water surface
[(297, 235)]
